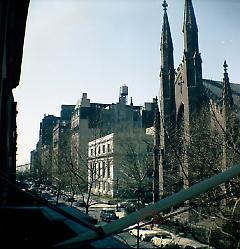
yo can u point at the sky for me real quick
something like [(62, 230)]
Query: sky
[(96, 46)]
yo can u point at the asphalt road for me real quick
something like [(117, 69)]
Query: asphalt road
[(132, 241), (123, 237)]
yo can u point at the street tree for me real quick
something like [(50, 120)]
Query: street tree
[(134, 159), (210, 150)]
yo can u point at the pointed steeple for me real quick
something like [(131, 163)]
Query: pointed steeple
[(192, 58), (228, 118), (190, 30), (227, 92), (167, 73), (166, 42)]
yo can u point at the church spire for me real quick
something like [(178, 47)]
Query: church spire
[(227, 92), (166, 42), (167, 72), (228, 118), (190, 30)]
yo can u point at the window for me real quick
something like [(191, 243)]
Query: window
[(94, 171), (99, 169), (91, 152), (108, 171), (103, 169), (108, 148), (99, 150), (104, 185), (103, 148)]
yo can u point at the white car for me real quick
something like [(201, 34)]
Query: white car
[(165, 240), (147, 234)]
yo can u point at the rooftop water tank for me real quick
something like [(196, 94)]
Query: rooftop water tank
[(124, 90)]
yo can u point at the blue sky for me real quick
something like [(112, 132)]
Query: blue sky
[(95, 46)]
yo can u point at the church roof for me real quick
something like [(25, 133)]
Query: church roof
[(215, 90)]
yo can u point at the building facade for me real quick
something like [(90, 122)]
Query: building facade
[(121, 164), (91, 121), (185, 98), (102, 171), (44, 159), (82, 123)]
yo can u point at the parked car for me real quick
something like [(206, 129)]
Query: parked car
[(71, 199), (146, 234), (108, 215), (79, 203), (166, 240)]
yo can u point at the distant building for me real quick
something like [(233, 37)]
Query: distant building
[(115, 162), (45, 148), (33, 163), (61, 151), (102, 171), (42, 157), (66, 112), (82, 123), (94, 120)]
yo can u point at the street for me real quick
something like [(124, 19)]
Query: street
[(124, 237), (94, 211)]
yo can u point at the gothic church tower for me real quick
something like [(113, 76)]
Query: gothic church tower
[(188, 89), (167, 99), (188, 83), (181, 99)]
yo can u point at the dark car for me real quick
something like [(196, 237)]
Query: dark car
[(79, 203), (108, 215), (71, 199)]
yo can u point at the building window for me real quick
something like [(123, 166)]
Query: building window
[(108, 148), (99, 150), (103, 148), (91, 171), (108, 171), (94, 171), (103, 169), (104, 185), (99, 169), (91, 152)]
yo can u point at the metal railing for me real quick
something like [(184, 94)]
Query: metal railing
[(117, 226)]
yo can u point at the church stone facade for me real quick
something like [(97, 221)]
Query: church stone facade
[(183, 96)]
